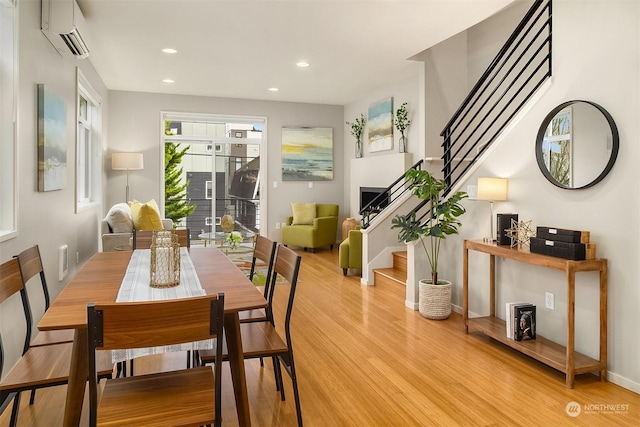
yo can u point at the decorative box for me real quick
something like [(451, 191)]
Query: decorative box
[(562, 235), (504, 223), (566, 250)]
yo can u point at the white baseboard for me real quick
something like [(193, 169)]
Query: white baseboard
[(623, 382)]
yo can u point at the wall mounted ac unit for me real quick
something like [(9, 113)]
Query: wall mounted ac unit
[(62, 22)]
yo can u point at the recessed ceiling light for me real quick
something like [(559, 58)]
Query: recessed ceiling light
[(169, 50), (273, 89), (168, 81), (302, 64)]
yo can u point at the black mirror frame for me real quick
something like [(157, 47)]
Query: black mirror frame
[(614, 149)]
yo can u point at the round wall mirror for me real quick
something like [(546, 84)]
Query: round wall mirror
[(577, 145)]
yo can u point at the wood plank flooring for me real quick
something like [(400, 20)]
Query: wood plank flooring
[(364, 359)]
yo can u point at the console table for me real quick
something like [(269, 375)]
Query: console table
[(564, 359)]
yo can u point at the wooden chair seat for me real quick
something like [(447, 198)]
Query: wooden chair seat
[(52, 337), (168, 399), (48, 366), (259, 339)]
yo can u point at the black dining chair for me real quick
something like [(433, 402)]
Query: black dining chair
[(39, 367), (261, 339)]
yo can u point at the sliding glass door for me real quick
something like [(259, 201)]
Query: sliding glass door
[(219, 172)]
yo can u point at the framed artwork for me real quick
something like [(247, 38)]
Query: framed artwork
[(52, 141), (380, 125), (307, 154)]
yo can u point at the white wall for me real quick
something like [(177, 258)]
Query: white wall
[(361, 169), (595, 57), (135, 126), (47, 219)]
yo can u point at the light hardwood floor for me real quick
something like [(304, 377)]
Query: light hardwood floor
[(364, 359)]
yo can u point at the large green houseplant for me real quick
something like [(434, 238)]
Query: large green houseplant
[(441, 221)]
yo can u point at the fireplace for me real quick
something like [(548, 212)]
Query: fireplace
[(368, 194)]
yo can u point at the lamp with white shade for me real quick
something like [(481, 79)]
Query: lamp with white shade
[(127, 162), (493, 190)]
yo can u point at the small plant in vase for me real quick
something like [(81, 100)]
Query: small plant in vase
[(357, 128), (402, 122), (442, 221), (234, 239)]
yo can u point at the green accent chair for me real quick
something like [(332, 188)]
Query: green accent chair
[(351, 251), (322, 231)]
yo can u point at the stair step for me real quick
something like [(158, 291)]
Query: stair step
[(389, 276), (400, 262), (396, 275)]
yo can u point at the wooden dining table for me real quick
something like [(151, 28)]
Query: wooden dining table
[(99, 280)]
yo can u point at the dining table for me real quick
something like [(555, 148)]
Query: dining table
[(98, 281)]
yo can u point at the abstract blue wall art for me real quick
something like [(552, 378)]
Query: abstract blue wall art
[(52, 141)]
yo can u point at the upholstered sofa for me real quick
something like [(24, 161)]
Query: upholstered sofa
[(312, 225), (350, 254), (117, 227)]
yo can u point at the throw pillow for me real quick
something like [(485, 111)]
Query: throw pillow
[(119, 218), (303, 213), (146, 216)]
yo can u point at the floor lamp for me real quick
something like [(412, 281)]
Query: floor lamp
[(127, 162), (493, 190)]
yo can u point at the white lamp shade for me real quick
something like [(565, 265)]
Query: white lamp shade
[(127, 161), (492, 189)]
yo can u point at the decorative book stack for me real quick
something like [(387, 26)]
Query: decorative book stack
[(165, 259), (521, 321), (569, 244)]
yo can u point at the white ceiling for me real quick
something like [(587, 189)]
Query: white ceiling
[(240, 48)]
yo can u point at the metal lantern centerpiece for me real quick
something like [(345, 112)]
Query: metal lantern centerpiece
[(165, 259)]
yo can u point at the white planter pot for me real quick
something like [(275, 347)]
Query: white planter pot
[(434, 300)]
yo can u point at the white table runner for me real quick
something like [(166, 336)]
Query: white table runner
[(135, 287)]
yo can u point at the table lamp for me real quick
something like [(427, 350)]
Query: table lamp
[(493, 190), (127, 162)]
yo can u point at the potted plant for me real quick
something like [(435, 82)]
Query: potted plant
[(357, 128), (402, 122), (441, 221)]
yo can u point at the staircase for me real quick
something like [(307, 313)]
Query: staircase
[(396, 275), (520, 68)]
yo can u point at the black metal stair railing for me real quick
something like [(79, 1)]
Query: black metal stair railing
[(519, 69), (515, 74), (386, 197)]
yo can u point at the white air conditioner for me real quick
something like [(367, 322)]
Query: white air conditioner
[(62, 23)]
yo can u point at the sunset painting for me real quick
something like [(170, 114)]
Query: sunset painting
[(307, 154)]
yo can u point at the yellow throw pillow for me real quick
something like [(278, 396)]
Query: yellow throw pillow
[(146, 216), (303, 213)]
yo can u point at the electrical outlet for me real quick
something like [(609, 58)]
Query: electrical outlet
[(472, 191), (549, 301), (277, 226), (284, 224)]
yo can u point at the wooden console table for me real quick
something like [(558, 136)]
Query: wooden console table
[(564, 359)]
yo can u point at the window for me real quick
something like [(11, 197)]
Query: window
[(8, 108), (208, 194), (88, 149)]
